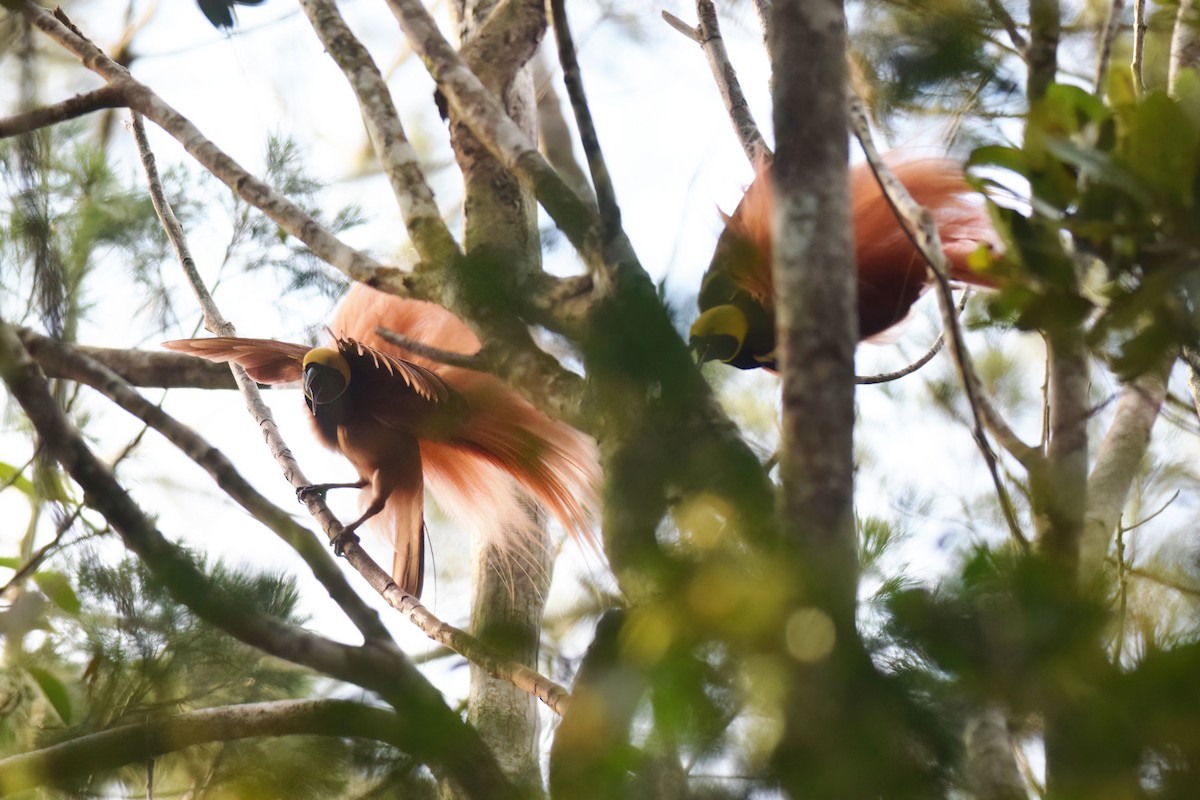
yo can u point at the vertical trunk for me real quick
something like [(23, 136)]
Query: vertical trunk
[(815, 293), (816, 326), (500, 239)]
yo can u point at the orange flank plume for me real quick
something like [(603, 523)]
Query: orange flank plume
[(737, 296), (504, 446), (404, 423)]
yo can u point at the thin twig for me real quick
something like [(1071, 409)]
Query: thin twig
[(708, 36), (606, 196), (1009, 24), (450, 358), (887, 377), (922, 227), (1139, 45), (725, 75), (418, 207), (681, 26), (71, 108), (289, 216), (1170, 583), (1111, 25)]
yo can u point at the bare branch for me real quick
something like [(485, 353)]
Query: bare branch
[(606, 197), (448, 357), (1009, 24), (139, 367), (283, 211), (725, 75), (418, 206), (1185, 44), (708, 36), (681, 26), (77, 106), (1111, 25), (128, 744), (486, 117), (1139, 45), (1116, 465), (921, 227), (555, 138), (1059, 492), (887, 377)]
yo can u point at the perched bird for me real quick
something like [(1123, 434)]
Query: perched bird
[(220, 12), (405, 422), (737, 318)]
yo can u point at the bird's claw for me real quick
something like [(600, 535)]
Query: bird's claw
[(311, 490), (339, 542)]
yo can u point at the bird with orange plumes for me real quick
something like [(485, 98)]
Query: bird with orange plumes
[(405, 422), (737, 297)]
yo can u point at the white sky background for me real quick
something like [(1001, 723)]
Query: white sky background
[(674, 161)]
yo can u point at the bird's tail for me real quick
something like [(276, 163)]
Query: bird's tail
[(880, 240), (477, 473), (938, 185)]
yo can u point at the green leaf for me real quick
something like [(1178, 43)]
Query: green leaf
[(1161, 147), (1187, 94), (11, 476), (1098, 166), (999, 156), (54, 691), (10, 562), (56, 587)]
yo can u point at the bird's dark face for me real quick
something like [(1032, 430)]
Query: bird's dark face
[(718, 334), (326, 376)]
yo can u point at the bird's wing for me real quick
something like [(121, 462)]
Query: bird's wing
[(265, 360), (427, 384)]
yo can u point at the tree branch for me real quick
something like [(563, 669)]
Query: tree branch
[(924, 233), (71, 108), (708, 36), (484, 114), (606, 197), (283, 211), (1139, 46), (1041, 54), (1111, 25), (106, 750), (1116, 464), (922, 229), (936, 348), (144, 368), (418, 207)]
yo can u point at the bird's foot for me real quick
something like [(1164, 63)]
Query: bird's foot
[(319, 489), (341, 541)]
